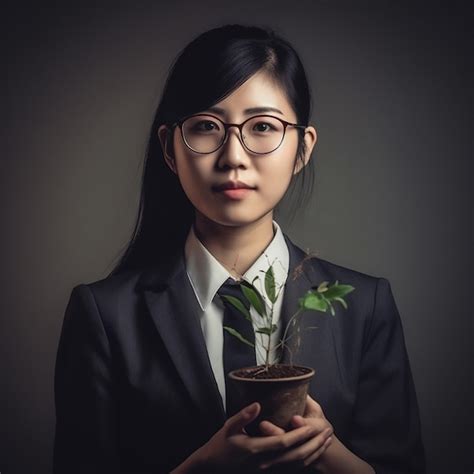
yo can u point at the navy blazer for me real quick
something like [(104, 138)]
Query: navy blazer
[(135, 392)]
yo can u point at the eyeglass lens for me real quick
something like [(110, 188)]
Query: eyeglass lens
[(205, 134)]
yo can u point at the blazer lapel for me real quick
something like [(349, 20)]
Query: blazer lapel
[(175, 311), (304, 272), (321, 336)]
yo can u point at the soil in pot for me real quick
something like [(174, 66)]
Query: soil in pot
[(280, 389)]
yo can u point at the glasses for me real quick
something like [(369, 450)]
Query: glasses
[(260, 134)]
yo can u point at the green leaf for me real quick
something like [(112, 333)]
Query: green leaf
[(239, 305), (323, 287), (238, 336), (267, 331), (270, 284), (313, 300), (341, 301), (338, 291), (254, 298)]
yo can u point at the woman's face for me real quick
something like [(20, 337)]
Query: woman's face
[(268, 175)]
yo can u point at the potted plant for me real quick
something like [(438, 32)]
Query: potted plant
[(280, 389)]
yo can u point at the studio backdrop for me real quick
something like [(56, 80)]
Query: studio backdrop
[(392, 163)]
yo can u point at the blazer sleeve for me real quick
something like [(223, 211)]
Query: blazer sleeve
[(386, 428), (86, 439)]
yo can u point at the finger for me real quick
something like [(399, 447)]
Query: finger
[(236, 423), (317, 454), (267, 428), (301, 452), (319, 423), (282, 441), (298, 421)]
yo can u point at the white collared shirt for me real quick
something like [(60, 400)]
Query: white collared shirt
[(206, 275)]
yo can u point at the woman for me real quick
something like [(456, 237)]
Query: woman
[(139, 380)]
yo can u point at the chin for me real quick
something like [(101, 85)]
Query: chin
[(238, 219)]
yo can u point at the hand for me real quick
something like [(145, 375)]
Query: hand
[(232, 448), (309, 452)]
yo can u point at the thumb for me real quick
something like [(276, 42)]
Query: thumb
[(312, 407), (236, 423)]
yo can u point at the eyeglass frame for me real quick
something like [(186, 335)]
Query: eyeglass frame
[(226, 125)]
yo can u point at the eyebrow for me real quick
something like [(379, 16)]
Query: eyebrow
[(252, 110)]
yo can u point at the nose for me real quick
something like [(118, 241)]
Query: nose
[(233, 152)]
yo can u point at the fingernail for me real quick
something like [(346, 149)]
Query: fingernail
[(250, 409)]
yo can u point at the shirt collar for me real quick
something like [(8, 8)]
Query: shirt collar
[(207, 274)]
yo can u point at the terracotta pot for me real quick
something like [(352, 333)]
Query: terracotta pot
[(280, 398)]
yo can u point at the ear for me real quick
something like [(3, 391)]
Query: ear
[(165, 135), (310, 138)]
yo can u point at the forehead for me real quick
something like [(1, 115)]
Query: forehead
[(260, 90)]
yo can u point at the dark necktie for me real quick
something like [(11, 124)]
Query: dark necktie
[(236, 354)]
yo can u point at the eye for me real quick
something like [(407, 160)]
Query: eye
[(205, 126), (201, 125), (263, 127)]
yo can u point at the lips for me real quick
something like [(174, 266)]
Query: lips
[(232, 185)]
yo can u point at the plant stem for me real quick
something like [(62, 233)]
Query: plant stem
[(292, 319), (267, 358)]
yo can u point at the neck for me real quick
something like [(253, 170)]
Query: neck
[(235, 247)]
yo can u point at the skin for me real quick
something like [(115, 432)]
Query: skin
[(236, 233), (331, 457)]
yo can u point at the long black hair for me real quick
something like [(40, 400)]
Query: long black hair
[(207, 70)]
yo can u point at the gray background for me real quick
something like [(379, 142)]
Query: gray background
[(392, 171)]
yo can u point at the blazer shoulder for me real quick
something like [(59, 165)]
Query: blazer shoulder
[(366, 285), (114, 297), (317, 268), (332, 270), (345, 273), (114, 286)]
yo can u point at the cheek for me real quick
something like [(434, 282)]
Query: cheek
[(276, 176), (189, 178), (193, 181), (187, 168)]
